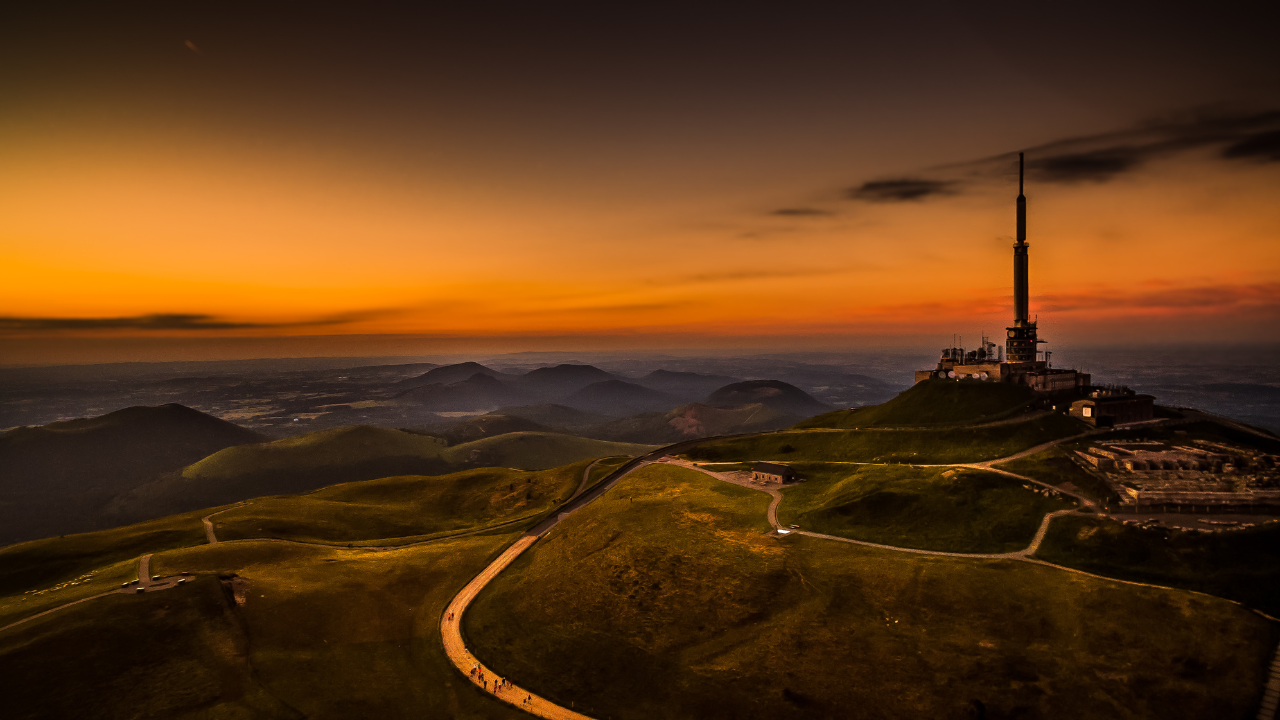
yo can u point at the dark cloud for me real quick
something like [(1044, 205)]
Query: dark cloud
[(1263, 146), (900, 190), (1095, 166), (1106, 156), (801, 212), (149, 322)]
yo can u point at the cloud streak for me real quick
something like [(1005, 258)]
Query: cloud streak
[(1094, 158), (900, 190), (801, 212), (162, 322)]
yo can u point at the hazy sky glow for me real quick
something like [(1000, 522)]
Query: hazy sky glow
[(663, 179)]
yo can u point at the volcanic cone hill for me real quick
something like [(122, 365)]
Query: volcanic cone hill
[(55, 478), (555, 383), (478, 392), (773, 393), (615, 397), (449, 374), (694, 420), (488, 425), (935, 402), (685, 384), (554, 416)]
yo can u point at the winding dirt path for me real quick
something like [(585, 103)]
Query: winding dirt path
[(772, 489), (144, 584)]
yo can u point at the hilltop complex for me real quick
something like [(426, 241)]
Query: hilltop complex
[(1020, 361)]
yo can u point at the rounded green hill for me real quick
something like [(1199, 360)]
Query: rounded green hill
[(935, 402)]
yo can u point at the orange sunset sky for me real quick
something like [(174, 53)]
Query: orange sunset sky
[(385, 181)]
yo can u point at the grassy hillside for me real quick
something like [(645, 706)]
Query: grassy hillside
[(1055, 466), (617, 397), (322, 633), (954, 510), (176, 654), (488, 425), (925, 446), (56, 478), (42, 563), (536, 450), (349, 454), (773, 393), (553, 416), (666, 598), (692, 421), (395, 510), (1242, 565), (934, 402), (604, 468), (344, 446)]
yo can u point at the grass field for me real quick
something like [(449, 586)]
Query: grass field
[(403, 509), (19, 605), (954, 510), (349, 454), (322, 633), (172, 654), (1204, 430), (327, 451), (41, 563), (536, 450), (936, 403), (1243, 565), (341, 633), (665, 598), (926, 446), (1055, 467)]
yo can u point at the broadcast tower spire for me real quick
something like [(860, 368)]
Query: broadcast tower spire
[(1021, 345)]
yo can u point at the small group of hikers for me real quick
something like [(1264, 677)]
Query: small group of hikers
[(498, 683)]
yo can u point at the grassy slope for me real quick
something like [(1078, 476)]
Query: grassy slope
[(604, 469), (350, 454), (338, 633), (1055, 467), (665, 599), (954, 445), (400, 509), (41, 563), (954, 510), (321, 449), (173, 654), (933, 402), (324, 633), (1243, 565), (537, 450)]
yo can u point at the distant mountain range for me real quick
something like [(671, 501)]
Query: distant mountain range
[(143, 461), (471, 387)]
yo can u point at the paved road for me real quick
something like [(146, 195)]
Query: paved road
[(454, 646), (1271, 695)]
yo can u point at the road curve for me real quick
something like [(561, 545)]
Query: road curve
[(451, 622)]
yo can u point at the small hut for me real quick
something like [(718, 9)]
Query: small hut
[(765, 472)]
